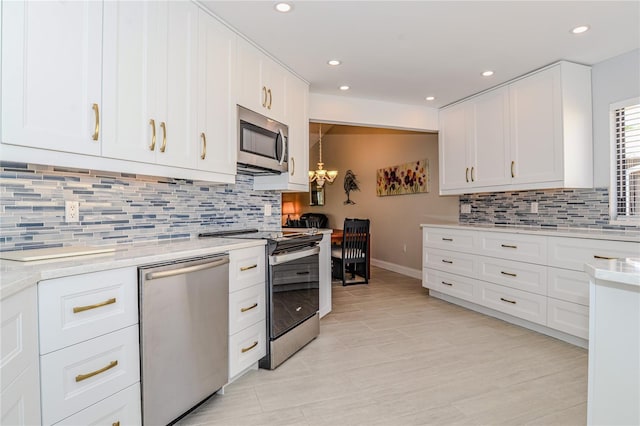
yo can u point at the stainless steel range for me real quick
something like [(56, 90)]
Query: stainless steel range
[(292, 291)]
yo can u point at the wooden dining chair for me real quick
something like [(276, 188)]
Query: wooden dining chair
[(349, 261)]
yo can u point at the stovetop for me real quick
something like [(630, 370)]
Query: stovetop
[(277, 240)]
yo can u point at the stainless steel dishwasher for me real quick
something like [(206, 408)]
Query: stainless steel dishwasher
[(184, 325)]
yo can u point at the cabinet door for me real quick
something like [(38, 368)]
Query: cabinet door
[(129, 85), (491, 135), (181, 37), (51, 75), (273, 78), (216, 108), (455, 140), (251, 94), (536, 128), (298, 143)]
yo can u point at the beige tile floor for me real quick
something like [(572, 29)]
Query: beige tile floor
[(388, 354)]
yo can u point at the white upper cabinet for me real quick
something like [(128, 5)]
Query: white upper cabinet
[(51, 75), (150, 82), (261, 82), (216, 132), (533, 133), (297, 118)]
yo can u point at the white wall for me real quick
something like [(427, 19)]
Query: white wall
[(613, 80), (367, 112)]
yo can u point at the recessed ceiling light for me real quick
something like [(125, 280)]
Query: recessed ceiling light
[(487, 73), (334, 62), (430, 98), (581, 29), (345, 87), (283, 7)]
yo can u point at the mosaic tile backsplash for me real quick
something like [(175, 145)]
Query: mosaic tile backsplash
[(580, 208), (121, 208)]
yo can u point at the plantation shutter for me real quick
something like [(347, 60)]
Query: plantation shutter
[(627, 146)]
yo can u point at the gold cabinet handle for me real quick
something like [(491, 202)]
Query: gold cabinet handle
[(509, 274), (204, 145), (513, 172), (264, 96), (96, 131), (447, 239), (97, 305), (243, 350), (293, 166), (508, 301), (508, 246), (116, 423), (450, 262), (163, 126), (81, 377), (270, 98), (152, 123), (446, 283), (246, 268), (255, 305), (466, 174), (595, 256), (473, 177)]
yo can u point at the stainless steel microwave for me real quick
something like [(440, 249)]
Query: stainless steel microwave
[(262, 144)]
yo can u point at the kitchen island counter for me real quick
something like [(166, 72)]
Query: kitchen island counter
[(16, 276)]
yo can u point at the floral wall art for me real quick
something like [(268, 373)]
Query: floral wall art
[(408, 178)]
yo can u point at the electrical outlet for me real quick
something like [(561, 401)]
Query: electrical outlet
[(267, 210), (71, 211), (534, 207), (465, 208)]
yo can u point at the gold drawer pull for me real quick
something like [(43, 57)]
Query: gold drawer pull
[(81, 377), (447, 239), (447, 261), (246, 268), (96, 131), (116, 423), (508, 301), (446, 283), (473, 176), (508, 246), (163, 126), (243, 350), (264, 96), (595, 256), (513, 172), (97, 305), (508, 274), (152, 123), (204, 145), (255, 305), (467, 174), (270, 99)]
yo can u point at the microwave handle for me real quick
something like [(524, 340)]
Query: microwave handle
[(284, 146)]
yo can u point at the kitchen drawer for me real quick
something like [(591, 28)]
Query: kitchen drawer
[(518, 247), (568, 317), (450, 239), (450, 261), (521, 304), (453, 285), (103, 302), (247, 347), (18, 335), (571, 286), (65, 392), (573, 253), (246, 267), (247, 307), (123, 408), (518, 275)]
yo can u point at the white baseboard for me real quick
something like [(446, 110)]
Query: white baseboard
[(404, 270)]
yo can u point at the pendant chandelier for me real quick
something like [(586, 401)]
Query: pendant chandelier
[(320, 176)]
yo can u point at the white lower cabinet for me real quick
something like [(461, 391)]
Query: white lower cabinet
[(122, 408), (537, 278), (20, 401), (246, 348)]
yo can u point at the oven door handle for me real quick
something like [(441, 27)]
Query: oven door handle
[(279, 259)]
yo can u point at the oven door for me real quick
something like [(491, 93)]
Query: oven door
[(294, 289)]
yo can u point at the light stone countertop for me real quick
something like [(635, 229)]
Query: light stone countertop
[(622, 271), (598, 234), (17, 276)]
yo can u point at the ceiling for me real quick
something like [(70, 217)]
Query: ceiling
[(403, 51)]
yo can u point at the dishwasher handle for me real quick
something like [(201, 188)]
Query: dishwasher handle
[(186, 270)]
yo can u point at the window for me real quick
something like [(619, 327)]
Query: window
[(625, 185)]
